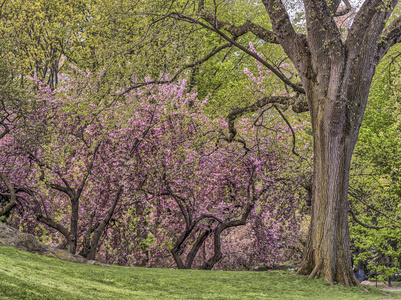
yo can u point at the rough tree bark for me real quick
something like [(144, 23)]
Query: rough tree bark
[(336, 72)]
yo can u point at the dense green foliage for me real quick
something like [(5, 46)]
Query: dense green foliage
[(375, 185), (29, 276)]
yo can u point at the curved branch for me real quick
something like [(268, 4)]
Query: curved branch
[(51, 223), (218, 254), (298, 105), (289, 125), (236, 31), (180, 70), (363, 224), (296, 87), (390, 37)]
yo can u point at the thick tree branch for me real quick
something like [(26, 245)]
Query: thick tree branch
[(63, 189), (196, 246), (237, 31), (51, 223), (100, 228), (390, 37), (294, 44), (371, 17), (208, 265), (326, 35)]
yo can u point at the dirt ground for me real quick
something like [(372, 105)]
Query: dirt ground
[(382, 286)]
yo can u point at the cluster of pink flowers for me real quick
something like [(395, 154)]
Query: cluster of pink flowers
[(148, 179)]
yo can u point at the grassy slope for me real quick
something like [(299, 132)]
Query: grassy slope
[(29, 276)]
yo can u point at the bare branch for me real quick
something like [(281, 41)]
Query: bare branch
[(236, 31), (363, 224), (180, 70), (88, 172), (297, 87), (295, 45), (289, 125), (298, 105)]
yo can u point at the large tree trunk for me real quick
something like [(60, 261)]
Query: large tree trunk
[(327, 251)]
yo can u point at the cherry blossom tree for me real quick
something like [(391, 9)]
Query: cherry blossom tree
[(149, 166)]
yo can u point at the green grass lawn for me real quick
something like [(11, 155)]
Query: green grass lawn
[(29, 276)]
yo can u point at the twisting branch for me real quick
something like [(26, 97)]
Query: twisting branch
[(296, 87), (236, 31), (298, 105), (357, 195), (363, 224), (180, 70), (88, 171), (289, 125)]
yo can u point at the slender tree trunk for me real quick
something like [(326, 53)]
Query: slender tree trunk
[(13, 199), (72, 247), (196, 247)]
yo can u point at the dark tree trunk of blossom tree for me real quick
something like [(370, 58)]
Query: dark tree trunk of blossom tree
[(91, 245), (13, 199), (336, 72)]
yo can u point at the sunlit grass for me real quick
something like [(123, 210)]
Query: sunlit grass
[(29, 276)]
